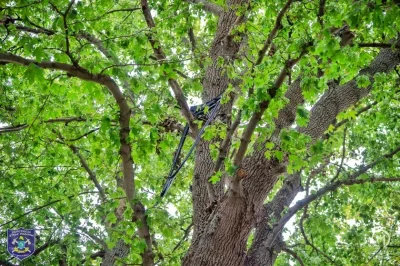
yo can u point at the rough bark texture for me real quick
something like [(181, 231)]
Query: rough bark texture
[(214, 83), (220, 233), (335, 100), (121, 250), (223, 218)]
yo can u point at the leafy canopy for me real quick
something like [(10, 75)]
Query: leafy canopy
[(43, 183)]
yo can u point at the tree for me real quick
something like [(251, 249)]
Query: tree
[(95, 96)]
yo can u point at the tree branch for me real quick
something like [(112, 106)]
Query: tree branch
[(333, 186), (92, 175), (256, 117), (185, 235), (343, 155), (66, 30), (125, 111), (44, 206), (208, 6), (98, 254), (122, 10), (160, 55), (293, 254), (321, 12), (140, 218), (365, 168), (43, 247), (378, 45), (94, 237), (84, 135), (344, 121), (13, 128), (272, 34), (303, 233), (223, 152), (24, 126)]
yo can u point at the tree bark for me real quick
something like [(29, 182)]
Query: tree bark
[(220, 234), (335, 100)]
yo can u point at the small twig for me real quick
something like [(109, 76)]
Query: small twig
[(44, 206), (186, 234), (23, 126), (293, 254), (343, 155), (160, 55), (303, 217), (94, 237), (122, 10), (272, 34), (84, 135), (92, 175)]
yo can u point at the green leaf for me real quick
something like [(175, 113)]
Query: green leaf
[(215, 178)]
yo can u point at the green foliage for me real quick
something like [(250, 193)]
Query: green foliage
[(44, 186)]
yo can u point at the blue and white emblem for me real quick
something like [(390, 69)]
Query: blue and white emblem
[(21, 242)]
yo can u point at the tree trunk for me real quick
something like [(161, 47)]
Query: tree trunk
[(220, 235)]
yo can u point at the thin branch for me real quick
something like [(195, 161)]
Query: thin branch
[(293, 254), (94, 237), (43, 247), (378, 45), (223, 152), (321, 12), (24, 126), (344, 121), (92, 175), (122, 10), (343, 155), (160, 55), (13, 128), (158, 62), (185, 235), (35, 31), (308, 242), (256, 117), (44, 206), (192, 39), (66, 120), (180, 73), (272, 34), (84, 135), (98, 254), (376, 253), (66, 30), (208, 6), (365, 168)]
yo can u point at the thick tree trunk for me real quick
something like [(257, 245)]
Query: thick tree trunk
[(220, 235), (215, 82)]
